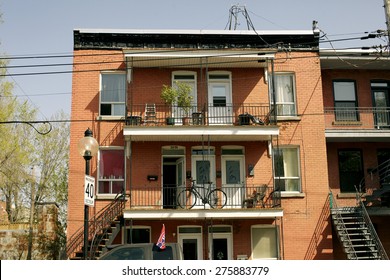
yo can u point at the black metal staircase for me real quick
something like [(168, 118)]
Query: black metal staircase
[(357, 233), (103, 228)]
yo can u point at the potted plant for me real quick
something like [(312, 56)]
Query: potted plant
[(169, 95), (184, 100), (180, 94)]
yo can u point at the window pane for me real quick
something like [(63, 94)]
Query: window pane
[(344, 91), (111, 165), (118, 109), (113, 88), (233, 172), (202, 171), (104, 187), (284, 88), (138, 235), (264, 243)]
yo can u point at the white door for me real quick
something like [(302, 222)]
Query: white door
[(220, 244), (180, 177), (192, 245), (220, 107), (203, 172), (233, 180)]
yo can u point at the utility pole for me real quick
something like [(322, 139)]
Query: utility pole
[(387, 14), (31, 231)]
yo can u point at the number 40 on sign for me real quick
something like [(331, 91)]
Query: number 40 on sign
[(89, 190)]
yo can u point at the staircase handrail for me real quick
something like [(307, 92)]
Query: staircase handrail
[(367, 220), (76, 241), (333, 205), (103, 224)]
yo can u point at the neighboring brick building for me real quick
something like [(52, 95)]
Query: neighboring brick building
[(356, 88), (271, 162)]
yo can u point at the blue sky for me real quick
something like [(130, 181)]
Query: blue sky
[(45, 27)]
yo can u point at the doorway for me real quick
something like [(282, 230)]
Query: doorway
[(190, 239), (220, 243), (173, 180)]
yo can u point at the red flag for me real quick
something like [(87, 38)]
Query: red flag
[(161, 240)]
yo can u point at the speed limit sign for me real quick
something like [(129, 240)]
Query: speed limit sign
[(89, 190)]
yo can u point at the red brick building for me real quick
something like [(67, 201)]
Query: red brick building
[(261, 171)]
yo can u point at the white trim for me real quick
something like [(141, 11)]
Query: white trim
[(201, 214), (197, 236), (196, 133)]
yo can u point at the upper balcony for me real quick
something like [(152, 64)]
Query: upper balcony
[(227, 122), (363, 124)]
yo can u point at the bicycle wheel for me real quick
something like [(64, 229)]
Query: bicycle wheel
[(217, 198), (186, 199)]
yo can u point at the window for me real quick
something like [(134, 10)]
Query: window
[(284, 94), (111, 171), (350, 170), (287, 175), (138, 234), (113, 94), (264, 242), (345, 101)]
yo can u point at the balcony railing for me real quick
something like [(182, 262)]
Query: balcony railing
[(240, 197), (227, 114), (357, 118)]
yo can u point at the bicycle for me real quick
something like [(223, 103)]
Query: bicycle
[(187, 198)]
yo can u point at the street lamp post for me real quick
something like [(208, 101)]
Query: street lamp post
[(88, 147)]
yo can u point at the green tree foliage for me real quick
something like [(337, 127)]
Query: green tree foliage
[(33, 165)]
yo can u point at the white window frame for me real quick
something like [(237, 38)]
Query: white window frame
[(297, 164), (112, 103), (256, 243), (110, 180), (284, 108)]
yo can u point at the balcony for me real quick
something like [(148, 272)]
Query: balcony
[(237, 197), (226, 122), (364, 124)]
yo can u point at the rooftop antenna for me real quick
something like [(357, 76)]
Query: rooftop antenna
[(234, 12)]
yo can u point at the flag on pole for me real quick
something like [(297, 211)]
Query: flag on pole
[(161, 240)]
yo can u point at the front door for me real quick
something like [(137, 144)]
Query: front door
[(190, 239), (233, 179), (220, 107), (203, 172), (220, 243), (381, 113)]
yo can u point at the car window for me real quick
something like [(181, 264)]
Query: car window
[(166, 254)]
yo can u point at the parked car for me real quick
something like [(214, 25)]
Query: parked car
[(144, 251)]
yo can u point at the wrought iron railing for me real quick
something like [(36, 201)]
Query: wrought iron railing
[(206, 114), (238, 196), (375, 238), (96, 224), (357, 117), (341, 227)]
